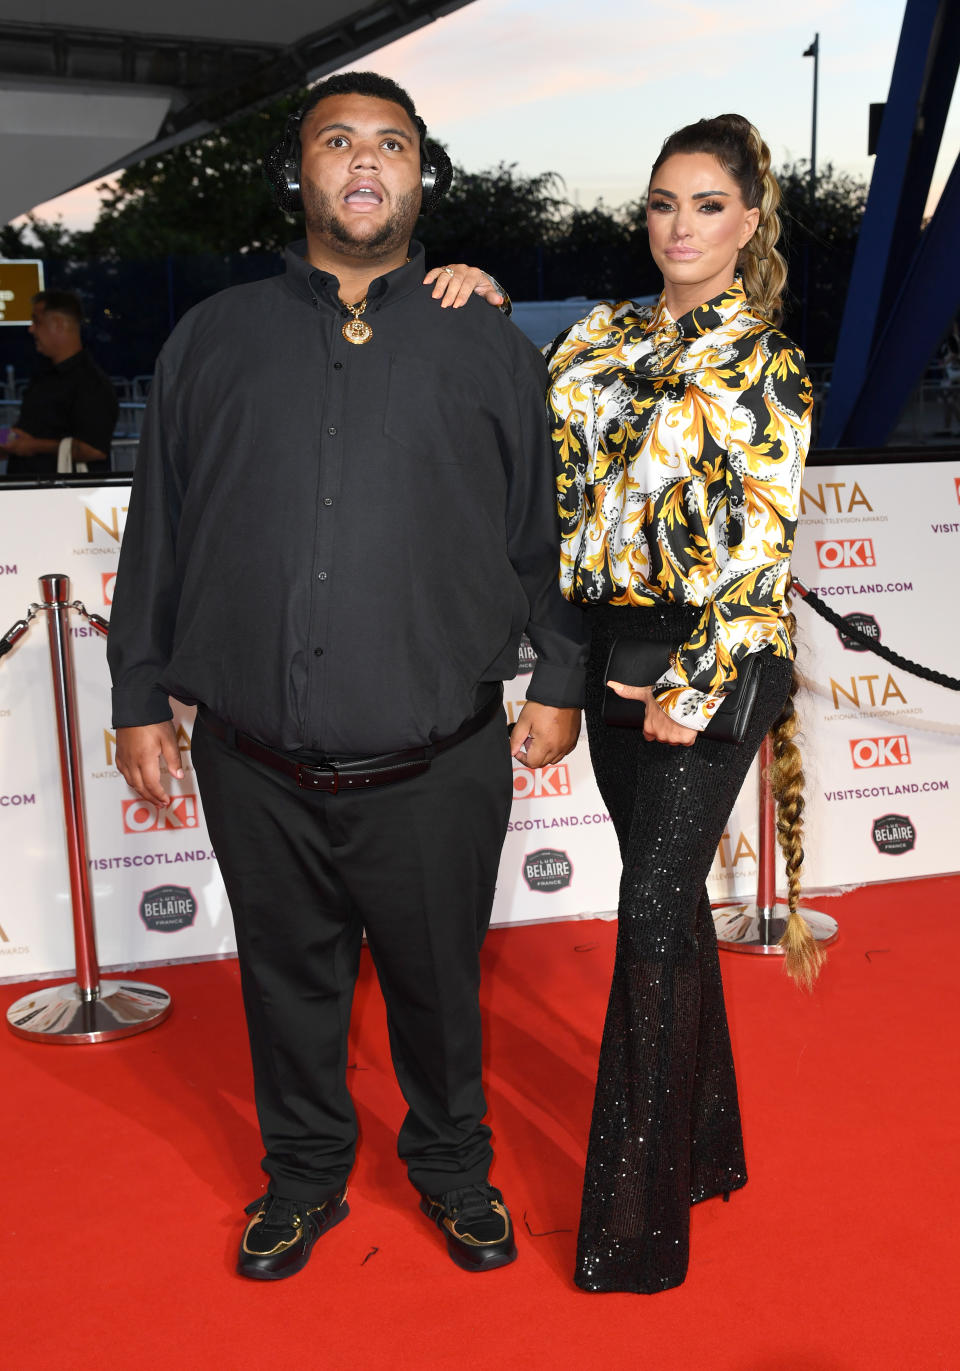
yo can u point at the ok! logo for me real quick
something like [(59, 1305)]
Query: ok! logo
[(143, 816), (544, 782), (867, 752), (837, 554)]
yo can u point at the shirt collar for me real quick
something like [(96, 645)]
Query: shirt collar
[(310, 283), (76, 359), (713, 314)]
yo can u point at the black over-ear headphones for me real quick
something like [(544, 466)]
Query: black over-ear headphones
[(281, 167)]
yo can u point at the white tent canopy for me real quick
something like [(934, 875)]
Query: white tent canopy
[(88, 89)]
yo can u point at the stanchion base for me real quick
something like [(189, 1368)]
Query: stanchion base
[(741, 929), (58, 1014)]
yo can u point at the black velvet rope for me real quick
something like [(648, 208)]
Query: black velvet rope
[(848, 630)]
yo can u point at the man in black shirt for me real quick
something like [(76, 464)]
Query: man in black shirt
[(343, 518), (70, 397)]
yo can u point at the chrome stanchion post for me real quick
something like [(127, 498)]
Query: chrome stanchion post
[(89, 1010), (759, 927), (55, 590), (766, 853)]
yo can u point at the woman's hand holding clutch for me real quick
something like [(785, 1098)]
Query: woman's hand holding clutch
[(658, 727)]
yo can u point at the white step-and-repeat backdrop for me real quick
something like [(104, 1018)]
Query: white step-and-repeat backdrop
[(882, 748)]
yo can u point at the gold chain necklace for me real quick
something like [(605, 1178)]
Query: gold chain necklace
[(355, 330)]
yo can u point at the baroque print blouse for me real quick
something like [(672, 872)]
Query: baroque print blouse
[(681, 446)]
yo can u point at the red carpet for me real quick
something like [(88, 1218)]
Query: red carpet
[(128, 1165)]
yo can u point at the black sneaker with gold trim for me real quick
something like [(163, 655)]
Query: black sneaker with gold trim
[(476, 1224), (279, 1237)]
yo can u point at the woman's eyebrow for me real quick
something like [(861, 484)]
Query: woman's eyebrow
[(700, 195)]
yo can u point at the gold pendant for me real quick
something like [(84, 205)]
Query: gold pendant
[(356, 331)]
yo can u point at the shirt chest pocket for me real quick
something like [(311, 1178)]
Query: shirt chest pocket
[(430, 410)]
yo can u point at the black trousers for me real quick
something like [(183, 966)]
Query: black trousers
[(666, 1122), (415, 865)]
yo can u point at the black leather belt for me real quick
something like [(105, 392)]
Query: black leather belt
[(355, 773)]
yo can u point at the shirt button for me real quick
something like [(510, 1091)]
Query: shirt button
[(327, 500), (322, 576), (318, 652), (331, 430), (338, 366)]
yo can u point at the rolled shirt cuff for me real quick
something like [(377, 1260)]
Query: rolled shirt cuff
[(134, 708), (560, 687), (684, 705)]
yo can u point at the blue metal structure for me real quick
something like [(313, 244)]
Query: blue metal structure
[(905, 285)]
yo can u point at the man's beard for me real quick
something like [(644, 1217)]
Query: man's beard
[(320, 212)]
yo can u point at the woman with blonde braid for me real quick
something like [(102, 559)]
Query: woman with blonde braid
[(681, 431)]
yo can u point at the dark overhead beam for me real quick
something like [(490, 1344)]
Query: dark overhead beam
[(43, 52), (213, 81), (204, 82)]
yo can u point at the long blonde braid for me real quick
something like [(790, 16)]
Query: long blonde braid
[(804, 956), (762, 267)]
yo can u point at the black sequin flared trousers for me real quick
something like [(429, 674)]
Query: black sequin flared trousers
[(666, 1123)]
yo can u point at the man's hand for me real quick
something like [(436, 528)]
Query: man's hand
[(658, 727), (85, 452), (453, 285), (139, 754), (21, 444), (543, 734)]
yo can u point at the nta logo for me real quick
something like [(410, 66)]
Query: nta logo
[(730, 853), (837, 554), (112, 526), (891, 691), (894, 834), (547, 869), (865, 624), (839, 500), (107, 582), (867, 752), (143, 816), (544, 782)]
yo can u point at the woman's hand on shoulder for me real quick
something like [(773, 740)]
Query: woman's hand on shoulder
[(454, 284), (658, 727)]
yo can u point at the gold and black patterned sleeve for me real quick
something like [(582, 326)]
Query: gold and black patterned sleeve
[(767, 443)]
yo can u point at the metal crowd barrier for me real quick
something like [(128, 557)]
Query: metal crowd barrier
[(758, 928), (88, 1010), (741, 928), (91, 1010)]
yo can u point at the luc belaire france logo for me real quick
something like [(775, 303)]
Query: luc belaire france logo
[(867, 625), (547, 870), (894, 834), (168, 908), (527, 657)]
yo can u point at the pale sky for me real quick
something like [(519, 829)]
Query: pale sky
[(590, 88)]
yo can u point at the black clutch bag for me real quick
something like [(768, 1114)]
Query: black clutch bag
[(638, 663)]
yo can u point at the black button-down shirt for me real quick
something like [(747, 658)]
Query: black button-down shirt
[(72, 399), (333, 545)]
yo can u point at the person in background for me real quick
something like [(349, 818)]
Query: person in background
[(948, 355), (69, 397), (680, 431), (342, 520)]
